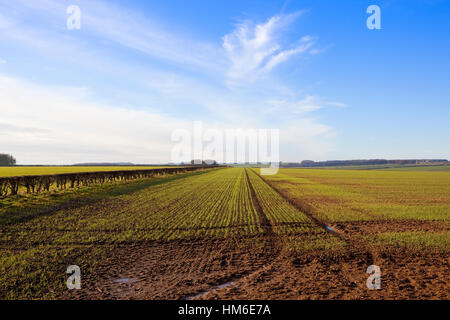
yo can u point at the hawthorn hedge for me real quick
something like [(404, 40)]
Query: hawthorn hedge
[(36, 184)]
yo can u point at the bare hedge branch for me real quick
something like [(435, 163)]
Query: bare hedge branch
[(36, 184)]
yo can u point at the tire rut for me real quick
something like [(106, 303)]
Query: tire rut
[(268, 233), (360, 244), (264, 221)]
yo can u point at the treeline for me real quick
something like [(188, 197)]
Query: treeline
[(198, 162), (36, 184), (7, 160), (336, 163)]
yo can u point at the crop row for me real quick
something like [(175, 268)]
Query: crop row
[(282, 215), (366, 195), (214, 204), (296, 230)]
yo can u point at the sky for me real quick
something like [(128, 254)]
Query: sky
[(117, 88)]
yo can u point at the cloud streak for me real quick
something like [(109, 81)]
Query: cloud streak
[(255, 49), (130, 29), (43, 126), (184, 79), (306, 105)]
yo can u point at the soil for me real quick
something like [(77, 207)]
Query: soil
[(260, 268), (184, 269), (380, 226)]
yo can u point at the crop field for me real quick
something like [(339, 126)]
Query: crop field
[(396, 167), (392, 207), (231, 233), (421, 168), (355, 195), (43, 170)]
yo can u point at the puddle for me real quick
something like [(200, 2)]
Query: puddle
[(329, 228), (224, 285), (220, 286), (125, 280)]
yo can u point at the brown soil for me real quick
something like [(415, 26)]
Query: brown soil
[(183, 269), (175, 269), (259, 268), (403, 276), (372, 227)]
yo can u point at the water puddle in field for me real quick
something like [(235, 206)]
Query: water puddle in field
[(329, 228), (220, 286), (125, 280)]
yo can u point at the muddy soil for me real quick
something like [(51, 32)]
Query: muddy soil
[(261, 268), (194, 270), (173, 269), (380, 226)]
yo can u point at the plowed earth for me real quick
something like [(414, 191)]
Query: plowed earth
[(225, 234), (261, 267)]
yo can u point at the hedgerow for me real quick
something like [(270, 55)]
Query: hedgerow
[(40, 183)]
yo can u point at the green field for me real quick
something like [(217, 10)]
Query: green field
[(276, 219), (31, 171), (355, 195), (214, 205), (421, 168), (401, 167), (416, 198)]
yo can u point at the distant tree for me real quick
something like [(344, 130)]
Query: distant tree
[(7, 160)]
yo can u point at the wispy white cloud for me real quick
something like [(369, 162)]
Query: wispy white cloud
[(284, 56), (132, 30), (313, 103), (43, 125), (2, 61), (67, 124), (50, 125), (5, 21), (255, 49), (137, 32), (308, 104)]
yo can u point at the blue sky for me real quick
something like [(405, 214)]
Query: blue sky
[(115, 89)]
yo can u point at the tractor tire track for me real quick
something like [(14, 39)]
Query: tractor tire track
[(363, 246), (264, 221), (274, 242)]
